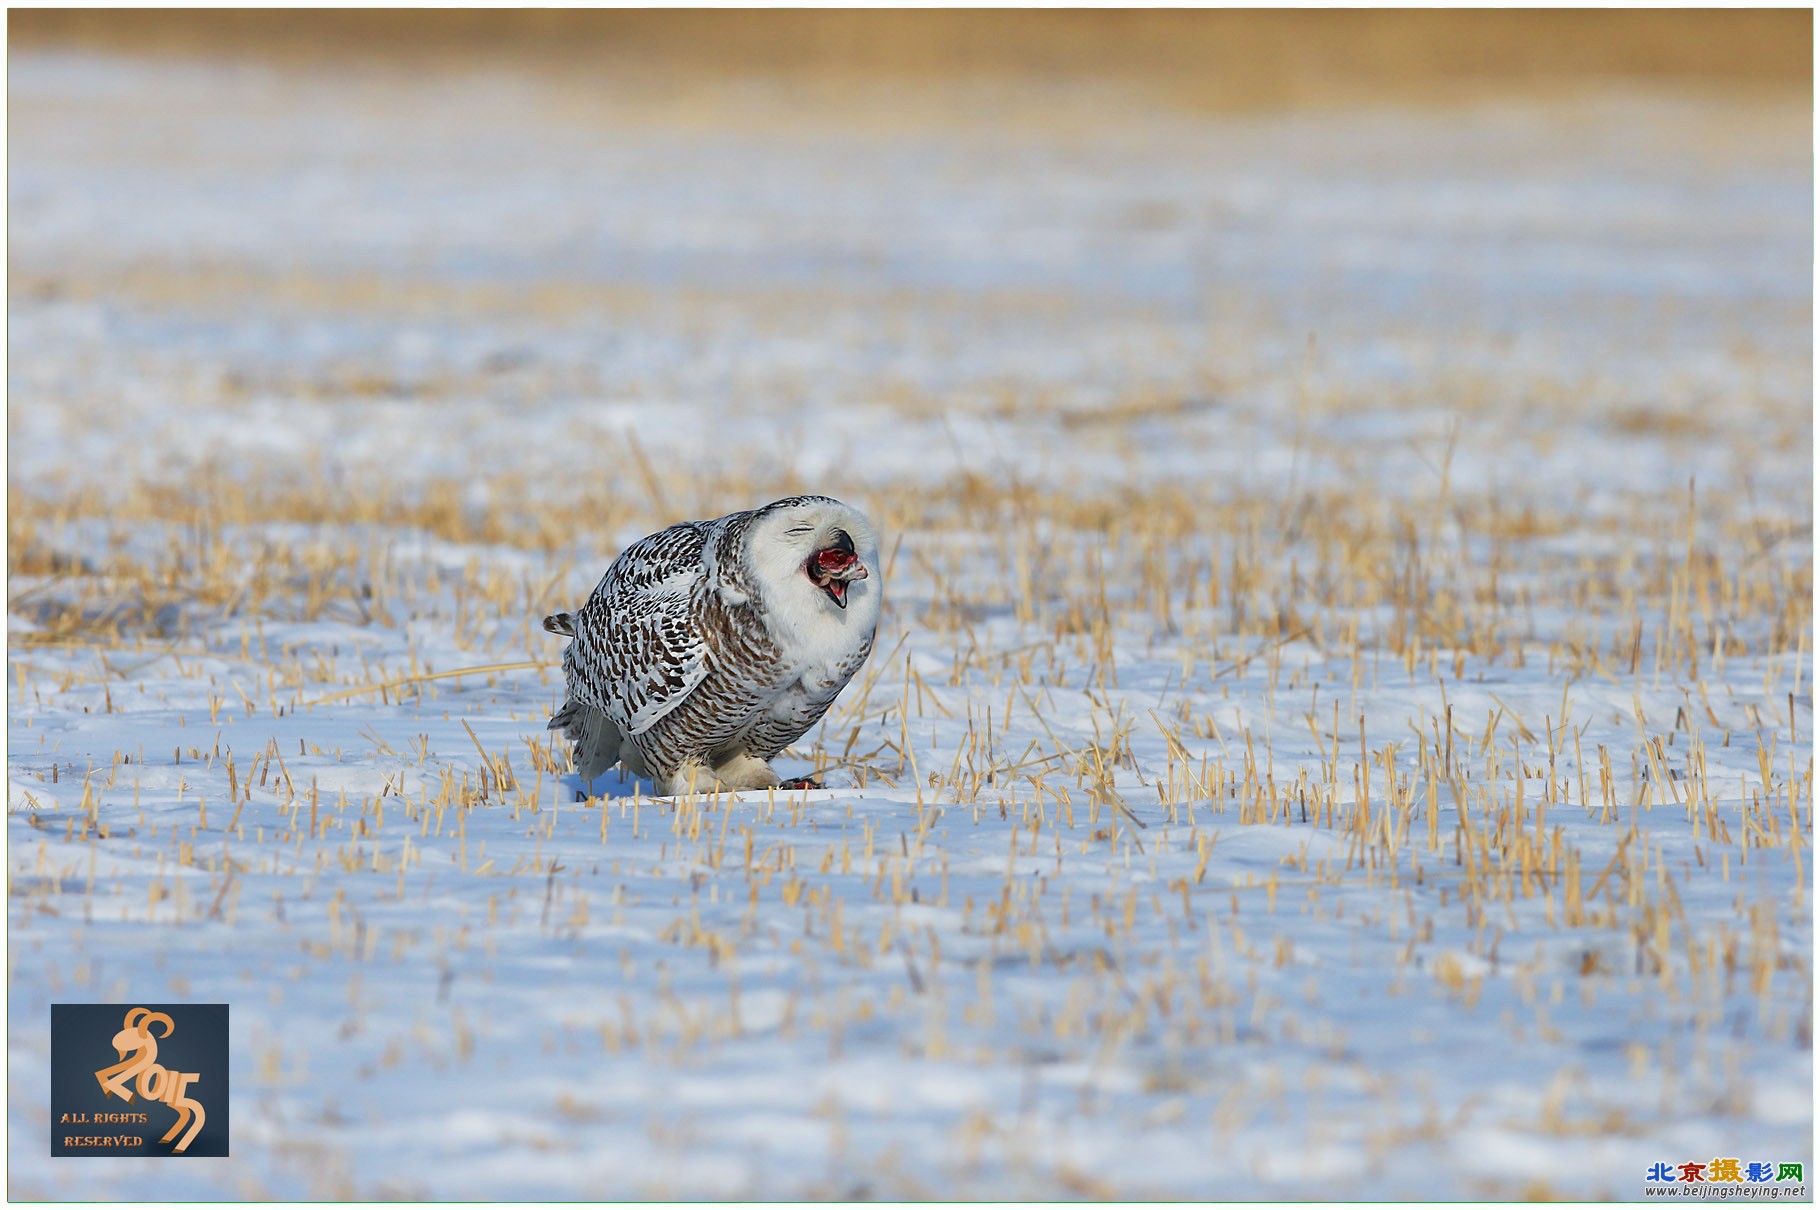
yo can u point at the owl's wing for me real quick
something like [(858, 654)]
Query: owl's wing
[(638, 648)]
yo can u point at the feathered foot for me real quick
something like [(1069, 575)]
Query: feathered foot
[(746, 772), (691, 777)]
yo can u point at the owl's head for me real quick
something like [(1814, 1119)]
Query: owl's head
[(813, 552)]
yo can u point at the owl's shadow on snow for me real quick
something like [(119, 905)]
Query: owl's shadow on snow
[(614, 783), (617, 783)]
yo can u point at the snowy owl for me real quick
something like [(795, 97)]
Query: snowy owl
[(709, 647)]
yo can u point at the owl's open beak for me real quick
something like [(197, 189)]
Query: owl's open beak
[(832, 568), (835, 585)]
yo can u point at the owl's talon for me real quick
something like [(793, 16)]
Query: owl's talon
[(801, 783)]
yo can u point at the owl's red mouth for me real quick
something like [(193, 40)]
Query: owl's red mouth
[(832, 568)]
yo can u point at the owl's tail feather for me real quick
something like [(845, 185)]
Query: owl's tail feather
[(560, 623), (592, 735)]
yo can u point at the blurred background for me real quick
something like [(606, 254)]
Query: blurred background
[(823, 230), (1211, 59), (1464, 349)]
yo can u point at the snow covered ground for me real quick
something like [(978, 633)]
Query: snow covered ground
[(1341, 726)]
